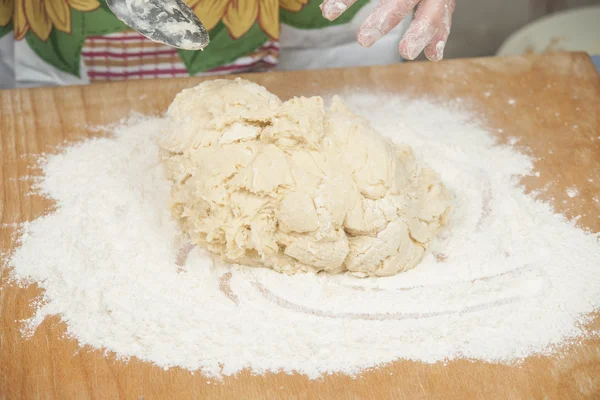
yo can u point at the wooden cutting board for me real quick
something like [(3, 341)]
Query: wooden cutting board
[(556, 116)]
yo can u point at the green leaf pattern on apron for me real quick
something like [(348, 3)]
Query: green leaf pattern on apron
[(6, 28), (102, 21), (62, 50), (223, 49)]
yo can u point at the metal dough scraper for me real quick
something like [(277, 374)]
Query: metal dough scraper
[(170, 22)]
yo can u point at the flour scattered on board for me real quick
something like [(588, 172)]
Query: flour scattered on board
[(572, 192), (507, 279), (513, 140)]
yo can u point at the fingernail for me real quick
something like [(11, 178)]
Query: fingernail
[(333, 10), (439, 50), (413, 50), (368, 37)]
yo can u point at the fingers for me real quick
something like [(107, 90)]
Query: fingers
[(425, 25), (386, 15), (334, 8), (429, 30), (434, 51)]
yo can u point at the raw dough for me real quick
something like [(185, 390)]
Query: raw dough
[(290, 186)]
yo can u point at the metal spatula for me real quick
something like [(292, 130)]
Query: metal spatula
[(170, 22)]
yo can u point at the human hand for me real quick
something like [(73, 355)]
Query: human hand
[(428, 31)]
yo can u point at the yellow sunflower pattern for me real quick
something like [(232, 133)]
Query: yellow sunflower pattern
[(239, 15), (40, 16), (6, 11), (59, 30)]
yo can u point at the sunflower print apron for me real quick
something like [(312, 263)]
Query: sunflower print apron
[(80, 41)]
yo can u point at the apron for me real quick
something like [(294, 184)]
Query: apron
[(65, 42)]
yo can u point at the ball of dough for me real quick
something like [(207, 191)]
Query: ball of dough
[(294, 187)]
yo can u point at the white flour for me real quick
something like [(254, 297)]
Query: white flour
[(508, 279), (572, 192)]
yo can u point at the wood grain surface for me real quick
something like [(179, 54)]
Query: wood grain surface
[(556, 116)]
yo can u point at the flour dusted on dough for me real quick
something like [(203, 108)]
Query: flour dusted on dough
[(293, 187)]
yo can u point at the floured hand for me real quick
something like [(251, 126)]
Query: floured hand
[(428, 31)]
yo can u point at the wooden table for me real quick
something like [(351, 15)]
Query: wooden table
[(554, 94)]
